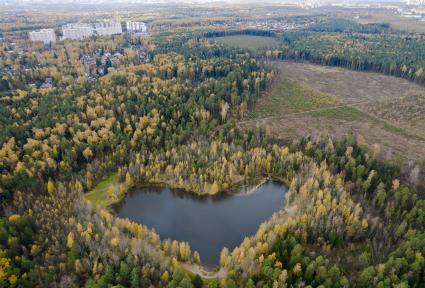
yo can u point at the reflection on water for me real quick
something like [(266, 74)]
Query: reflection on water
[(208, 223)]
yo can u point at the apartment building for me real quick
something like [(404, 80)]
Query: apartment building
[(108, 28), (136, 27), (77, 31), (44, 35)]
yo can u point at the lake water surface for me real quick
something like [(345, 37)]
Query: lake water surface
[(208, 223)]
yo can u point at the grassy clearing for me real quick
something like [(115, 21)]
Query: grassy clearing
[(99, 195), (342, 113), (248, 42), (287, 96)]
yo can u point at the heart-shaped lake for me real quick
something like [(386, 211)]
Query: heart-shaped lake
[(208, 223)]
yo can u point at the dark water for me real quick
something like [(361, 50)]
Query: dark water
[(208, 223)]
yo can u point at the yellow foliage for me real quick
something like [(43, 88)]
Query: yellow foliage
[(79, 228), (396, 184), (214, 188), (14, 218), (70, 240), (164, 277), (115, 241), (2, 274), (50, 187), (364, 224), (87, 153), (12, 280), (35, 249), (297, 268)]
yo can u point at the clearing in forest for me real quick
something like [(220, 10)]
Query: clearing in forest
[(307, 98), (250, 42), (99, 194)]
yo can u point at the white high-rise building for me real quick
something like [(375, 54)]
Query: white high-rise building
[(44, 35), (77, 31), (135, 26), (108, 28)]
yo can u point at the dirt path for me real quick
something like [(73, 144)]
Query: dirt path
[(199, 270)]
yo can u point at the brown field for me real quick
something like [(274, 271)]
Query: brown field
[(347, 85), (379, 109)]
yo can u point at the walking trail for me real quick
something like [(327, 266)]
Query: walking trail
[(197, 269)]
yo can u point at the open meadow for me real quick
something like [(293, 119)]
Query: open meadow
[(250, 42)]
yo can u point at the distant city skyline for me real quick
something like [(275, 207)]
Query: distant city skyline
[(47, 2), (108, 4)]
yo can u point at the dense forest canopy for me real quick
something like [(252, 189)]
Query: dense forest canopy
[(166, 114), (401, 56), (371, 47)]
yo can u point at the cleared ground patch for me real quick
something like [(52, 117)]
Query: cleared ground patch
[(248, 42), (410, 108), (99, 195), (347, 85), (308, 99)]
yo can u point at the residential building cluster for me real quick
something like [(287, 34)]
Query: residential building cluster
[(79, 31), (266, 24), (275, 25), (96, 63), (102, 62)]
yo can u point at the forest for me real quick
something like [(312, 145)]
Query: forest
[(355, 220)]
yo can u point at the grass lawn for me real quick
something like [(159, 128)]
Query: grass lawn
[(287, 96), (99, 195), (248, 42)]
